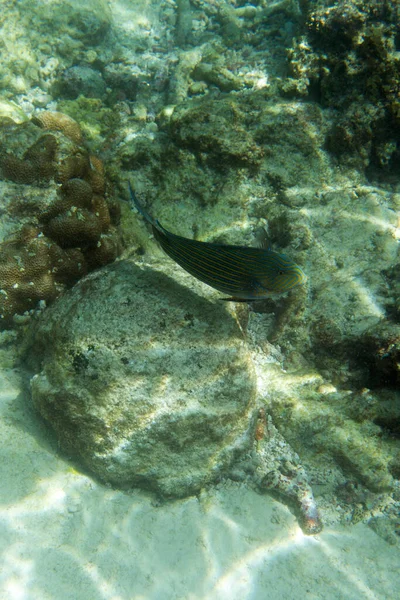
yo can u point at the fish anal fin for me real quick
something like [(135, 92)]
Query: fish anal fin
[(238, 299)]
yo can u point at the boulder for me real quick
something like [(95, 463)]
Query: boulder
[(145, 378)]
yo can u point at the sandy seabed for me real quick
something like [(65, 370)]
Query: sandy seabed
[(65, 536)]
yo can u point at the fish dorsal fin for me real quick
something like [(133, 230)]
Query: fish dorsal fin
[(262, 240)]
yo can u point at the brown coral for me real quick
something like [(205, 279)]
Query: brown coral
[(25, 275), (76, 217), (71, 227), (34, 268), (100, 209), (36, 165), (56, 121), (68, 265), (73, 193), (96, 176), (76, 227), (74, 165), (17, 170), (107, 249)]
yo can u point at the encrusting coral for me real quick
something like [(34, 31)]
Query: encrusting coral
[(66, 220)]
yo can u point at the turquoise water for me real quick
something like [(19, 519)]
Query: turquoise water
[(157, 442)]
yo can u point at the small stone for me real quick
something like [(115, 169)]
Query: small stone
[(327, 388)]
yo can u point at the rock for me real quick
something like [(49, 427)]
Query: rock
[(121, 80), (148, 383), (205, 127), (81, 80), (328, 64), (86, 21), (219, 76)]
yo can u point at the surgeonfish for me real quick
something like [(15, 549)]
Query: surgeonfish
[(245, 273)]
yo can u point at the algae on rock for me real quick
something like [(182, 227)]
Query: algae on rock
[(348, 60)]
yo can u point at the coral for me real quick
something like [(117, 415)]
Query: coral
[(107, 249), (57, 121), (17, 170), (68, 265), (74, 165), (68, 229), (36, 165), (74, 192), (100, 209), (95, 175), (74, 228), (42, 155), (26, 275)]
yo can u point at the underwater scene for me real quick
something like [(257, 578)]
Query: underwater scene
[(199, 299)]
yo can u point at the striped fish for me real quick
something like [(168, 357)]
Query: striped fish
[(245, 273)]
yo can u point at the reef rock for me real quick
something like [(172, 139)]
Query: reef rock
[(87, 21), (348, 61), (145, 381)]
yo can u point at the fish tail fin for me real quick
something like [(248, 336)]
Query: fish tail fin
[(141, 209)]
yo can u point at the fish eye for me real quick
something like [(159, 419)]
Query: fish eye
[(281, 272)]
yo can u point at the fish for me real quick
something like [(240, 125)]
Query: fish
[(244, 273)]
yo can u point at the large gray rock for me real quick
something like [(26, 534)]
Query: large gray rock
[(87, 21), (143, 379)]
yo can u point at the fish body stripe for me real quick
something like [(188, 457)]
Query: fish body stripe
[(237, 270), (243, 272), (207, 267)]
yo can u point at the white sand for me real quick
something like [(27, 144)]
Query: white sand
[(63, 535)]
